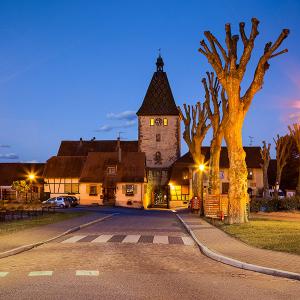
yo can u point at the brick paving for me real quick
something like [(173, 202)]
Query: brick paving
[(43, 232), (220, 242)]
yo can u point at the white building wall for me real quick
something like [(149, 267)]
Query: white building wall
[(86, 198), (136, 200), (56, 186)]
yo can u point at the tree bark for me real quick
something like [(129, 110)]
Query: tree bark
[(265, 181), (265, 155), (214, 165), (238, 196), (298, 185)]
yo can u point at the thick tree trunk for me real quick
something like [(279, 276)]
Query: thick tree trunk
[(298, 185), (266, 181), (238, 196), (278, 179), (198, 179), (214, 165)]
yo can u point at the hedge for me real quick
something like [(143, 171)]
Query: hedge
[(273, 204)]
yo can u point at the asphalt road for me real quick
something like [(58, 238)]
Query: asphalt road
[(134, 255)]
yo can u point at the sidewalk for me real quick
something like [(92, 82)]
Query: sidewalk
[(221, 243), (44, 232)]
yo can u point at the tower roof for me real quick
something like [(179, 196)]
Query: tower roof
[(159, 99)]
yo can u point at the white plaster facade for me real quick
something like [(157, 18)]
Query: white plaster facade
[(135, 200)]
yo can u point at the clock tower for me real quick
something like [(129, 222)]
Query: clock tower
[(159, 129)]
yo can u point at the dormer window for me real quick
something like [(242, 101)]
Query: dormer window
[(165, 122), (112, 170)]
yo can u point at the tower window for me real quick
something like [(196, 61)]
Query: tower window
[(157, 158), (158, 137), (165, 122), (152, 122)]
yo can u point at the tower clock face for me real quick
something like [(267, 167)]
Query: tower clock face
[(158, 121)]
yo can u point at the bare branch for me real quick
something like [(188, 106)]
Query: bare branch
[(248, 46), (261, 69), (228, 39), (213, 47), (243, 34), (223, 52), (279, 53)]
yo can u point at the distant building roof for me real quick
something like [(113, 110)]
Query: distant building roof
[(64, 167), (159, 99), (253, 157), (253, 160), (130, 169), (82, 148), (10, 172), (93, 167)]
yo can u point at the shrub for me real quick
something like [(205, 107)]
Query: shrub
[(290, 203), (273, 204)]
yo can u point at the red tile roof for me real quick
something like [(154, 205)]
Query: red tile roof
[(159, 99), (82, 148)]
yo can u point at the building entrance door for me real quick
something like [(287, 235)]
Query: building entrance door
[(109, 196), (160, 197)]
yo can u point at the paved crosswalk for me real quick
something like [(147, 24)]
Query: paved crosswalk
[(50, 273), (130, 239)]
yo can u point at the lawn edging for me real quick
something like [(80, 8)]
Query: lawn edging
[(34, 245), (237, 263)]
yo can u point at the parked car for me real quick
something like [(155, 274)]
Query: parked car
[(73, 200), (280, 194), (61, 201)]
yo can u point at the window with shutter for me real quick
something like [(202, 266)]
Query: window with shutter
[(129, 189)]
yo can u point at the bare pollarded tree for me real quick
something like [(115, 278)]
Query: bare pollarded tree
[(295, 133), (195, 129), (283, 150), (266, 157), (218, 120), (231, 71)]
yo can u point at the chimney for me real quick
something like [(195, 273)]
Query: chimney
[(80, 141), (119, 149)]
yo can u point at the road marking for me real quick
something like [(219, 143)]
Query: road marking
[(160, 239), (87, 273), (40, 273), (103, 238), (3, 274), (187, 241), (74, 239), (132, 238)]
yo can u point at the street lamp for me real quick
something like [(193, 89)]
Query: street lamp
[(201, 167), (31, 177)]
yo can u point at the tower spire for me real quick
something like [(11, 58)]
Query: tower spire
[(159, 62)]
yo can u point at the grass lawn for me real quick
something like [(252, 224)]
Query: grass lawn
[(268, 234), (49, 218)]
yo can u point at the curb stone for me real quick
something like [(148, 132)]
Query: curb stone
[(237, 263), (34, 245)]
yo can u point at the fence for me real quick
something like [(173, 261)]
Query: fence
[(215, 206)]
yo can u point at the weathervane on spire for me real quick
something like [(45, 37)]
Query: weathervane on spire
[(159, 62)]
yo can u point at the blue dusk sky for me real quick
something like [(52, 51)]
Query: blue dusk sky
[(71, 69)]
